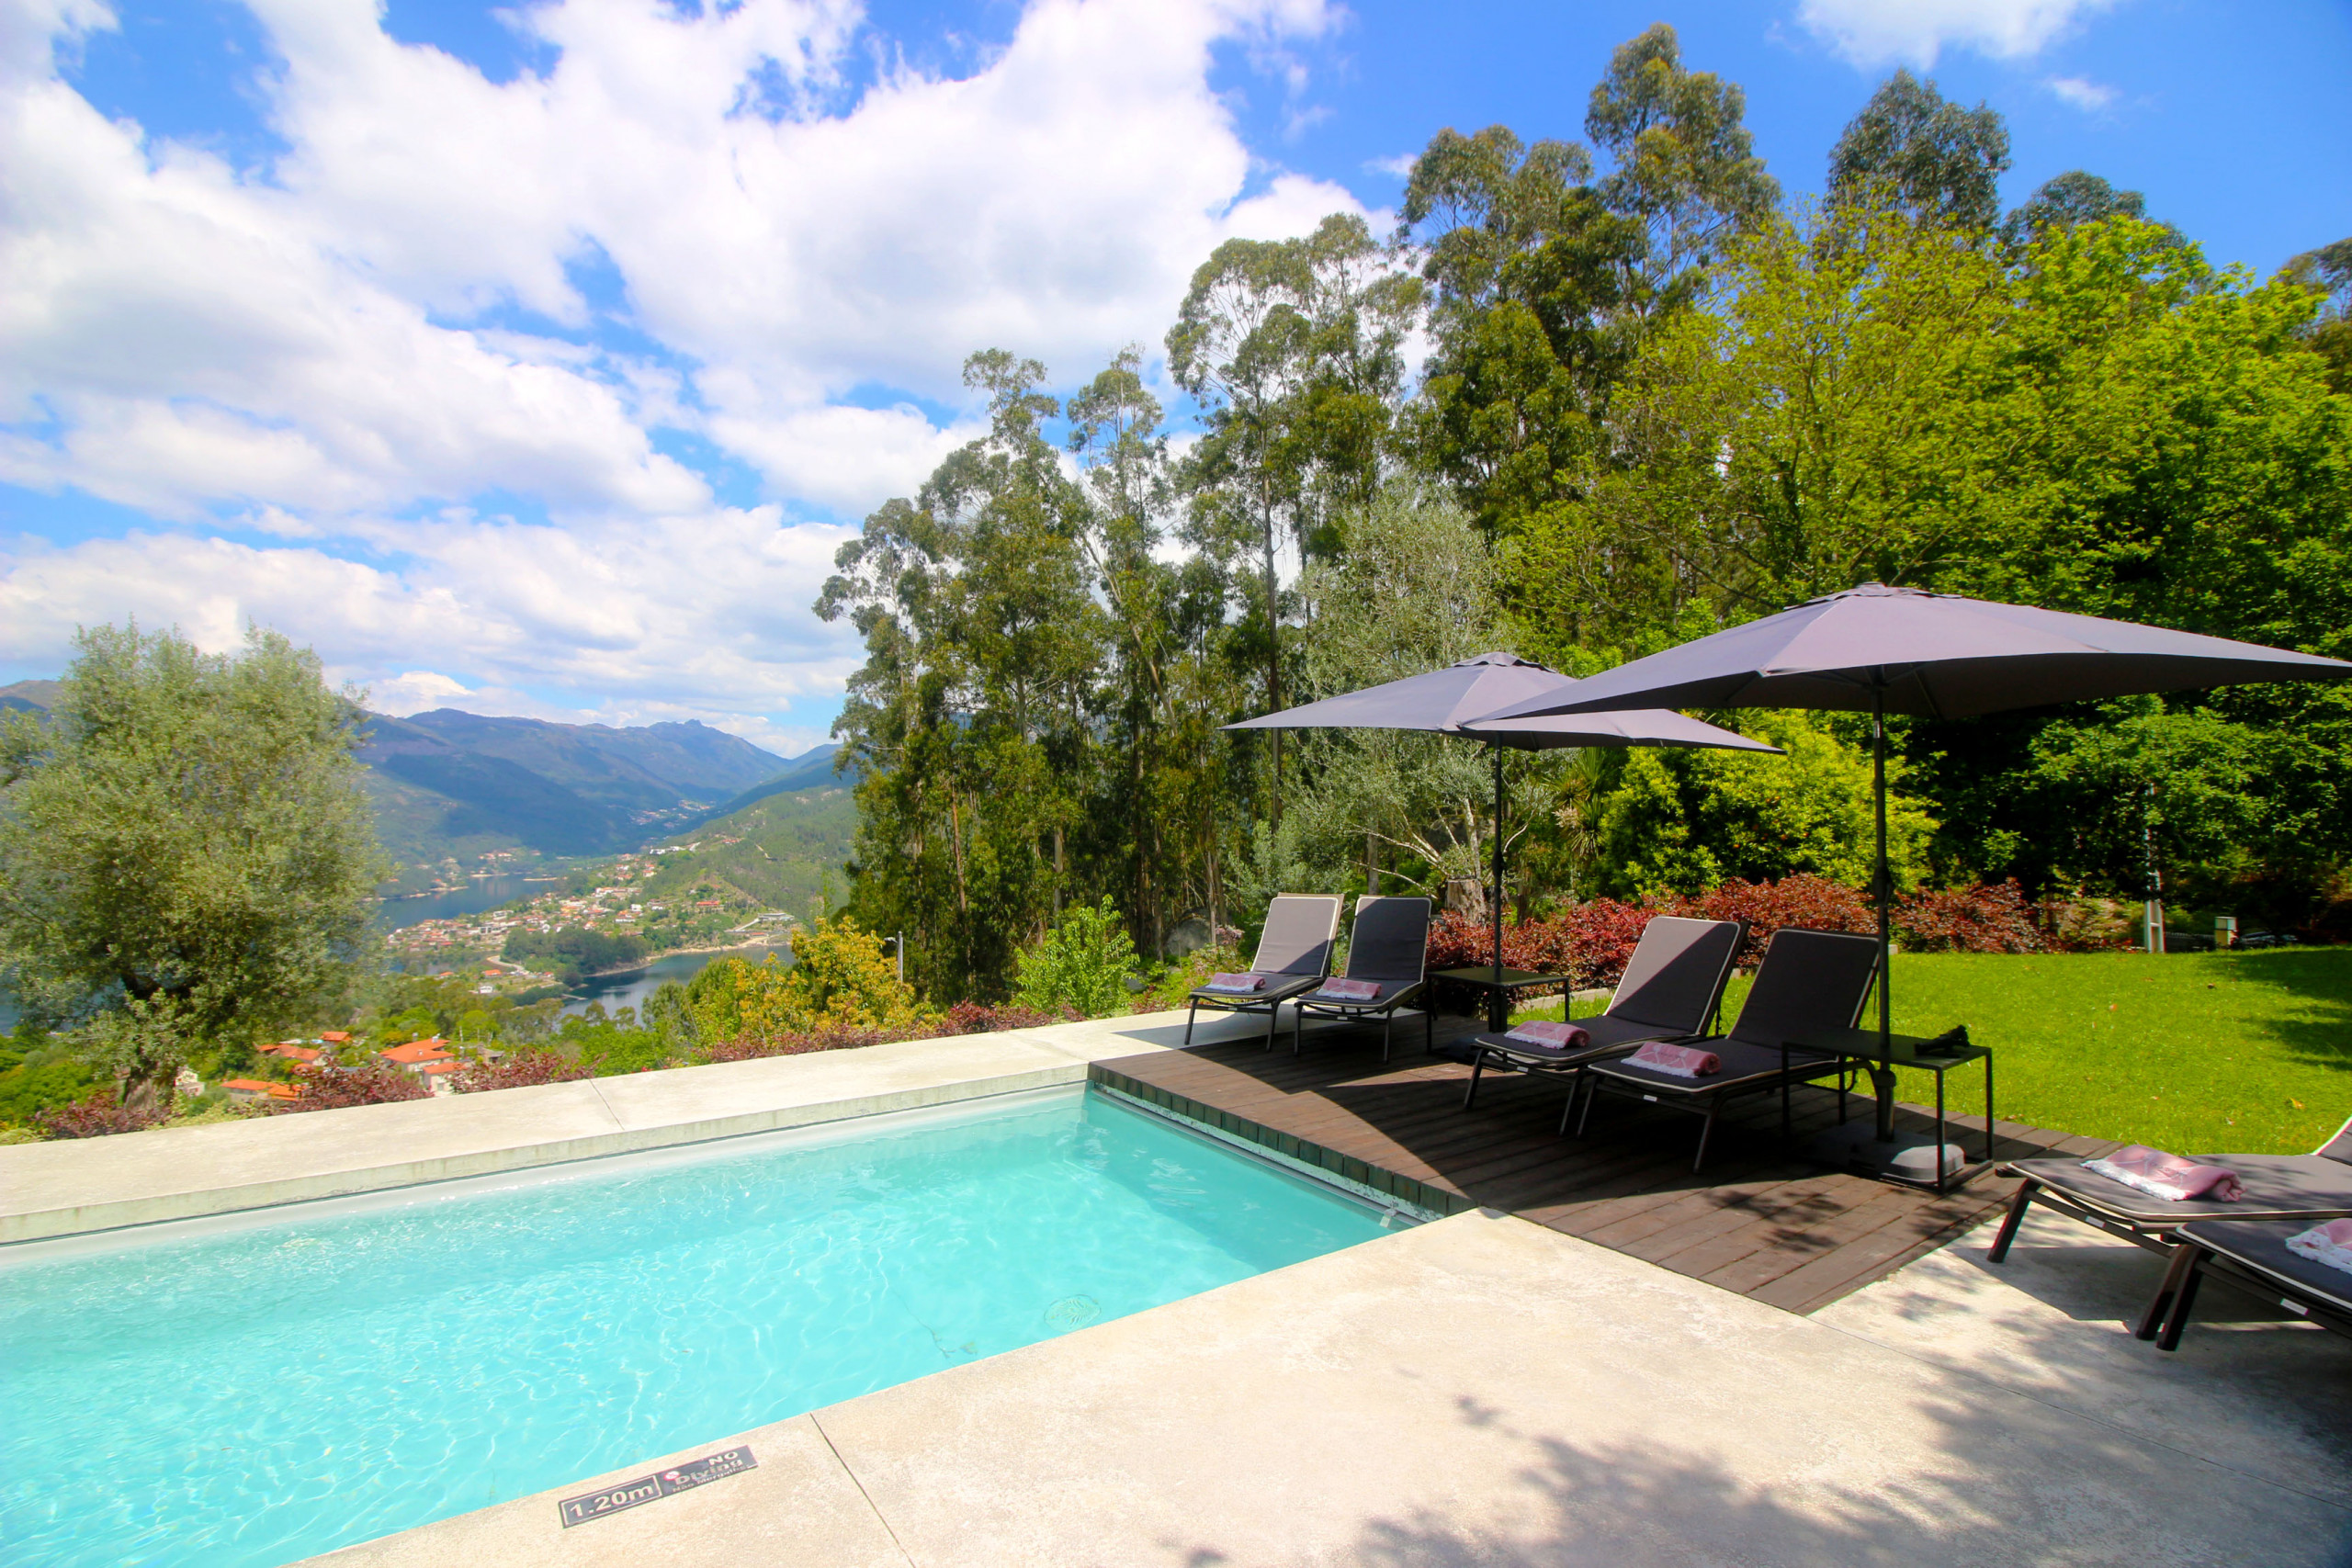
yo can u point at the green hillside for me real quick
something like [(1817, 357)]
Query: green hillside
[(789, 849)]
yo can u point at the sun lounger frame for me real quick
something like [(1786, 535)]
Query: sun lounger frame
[(1625, 1032), (1292, 949), (2146, 1221), (1366, 955), (2253, 1255), (1757, 1055)]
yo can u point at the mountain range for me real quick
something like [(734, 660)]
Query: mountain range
[(447, 785)]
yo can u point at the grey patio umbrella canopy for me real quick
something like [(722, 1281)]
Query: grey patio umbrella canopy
[(1442, 700), (1877, 649)]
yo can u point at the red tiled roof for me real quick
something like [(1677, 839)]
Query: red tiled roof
[(293, 1052), (335, 1036), (417, 1051), (259, 1086)]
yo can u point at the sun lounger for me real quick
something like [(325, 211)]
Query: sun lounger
[(2280, 1188), (1293, 955), (1809, 981), (1669, 991), (2252, 1255), (1389, 950)]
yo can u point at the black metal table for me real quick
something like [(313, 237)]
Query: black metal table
[(1500, 992), (1937, 1054)]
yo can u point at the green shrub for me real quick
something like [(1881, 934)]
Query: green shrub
[(1083, 963)]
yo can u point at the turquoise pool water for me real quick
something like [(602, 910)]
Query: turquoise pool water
[(256, 1392)]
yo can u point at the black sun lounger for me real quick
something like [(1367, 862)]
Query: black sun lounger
[(1809, 981), (1671, 985), (2280, 1188), (1293, 955), (2252, 1255), (1390, 948)]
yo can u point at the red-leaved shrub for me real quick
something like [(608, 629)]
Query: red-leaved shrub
[(1589, 943), (789, 1043), (1978, 919), (980, 1017), (1814, 903), (522, 1069), (324, 1088), (99, 1116)]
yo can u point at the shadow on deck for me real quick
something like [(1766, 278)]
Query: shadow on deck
[(1759, 1220)]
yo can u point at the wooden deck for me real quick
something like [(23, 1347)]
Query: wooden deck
[(1759, 1220)]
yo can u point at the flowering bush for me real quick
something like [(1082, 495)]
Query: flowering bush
[(324, 1088), (522, 1069), (840, 979), (1977, 919), (98, 1116)]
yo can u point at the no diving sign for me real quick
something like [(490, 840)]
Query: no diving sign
[(646, 1488)]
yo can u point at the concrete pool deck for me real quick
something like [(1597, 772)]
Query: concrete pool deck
[(1481, 1390), (67, 1187)]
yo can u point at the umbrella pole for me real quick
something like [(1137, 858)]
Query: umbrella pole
[(1498, 1012), (1882, 1081)]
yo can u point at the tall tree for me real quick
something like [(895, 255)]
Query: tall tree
[(1686, 166), (2064, 200), (1296, 350), (184, 852), (1936, 160)]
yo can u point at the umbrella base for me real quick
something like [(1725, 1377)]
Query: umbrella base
[(1907, 1157)]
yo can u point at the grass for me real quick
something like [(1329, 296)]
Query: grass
[(2197, 1053)]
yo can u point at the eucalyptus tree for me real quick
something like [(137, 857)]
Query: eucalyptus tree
[(1295, 350), (970, 718), (1931, 158), (186, 854), (1547, 282)]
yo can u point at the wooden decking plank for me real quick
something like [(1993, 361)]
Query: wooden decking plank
[(1758, 1219)]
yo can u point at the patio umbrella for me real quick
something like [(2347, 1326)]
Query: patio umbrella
[(1877, 649), (1441, 700)]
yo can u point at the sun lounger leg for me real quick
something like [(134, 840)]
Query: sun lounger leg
[(1387, 1024), (1706, 1131), (1478, 1066), (1191, 1014), (1575, 1082), (1591, 1095), (2152, 1322), (1273, 1021), (2183, 1299), (1429, 1033), (2015, 1217)]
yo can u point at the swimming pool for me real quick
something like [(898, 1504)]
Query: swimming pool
[(257, 1388)]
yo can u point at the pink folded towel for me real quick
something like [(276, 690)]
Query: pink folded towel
[(1682, 1061), (2168, 1176), (1351, 990), (2330, 1243), (1551, 1036), (1240, 985)]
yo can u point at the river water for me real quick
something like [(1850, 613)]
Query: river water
[(479, 894), (632, 986)]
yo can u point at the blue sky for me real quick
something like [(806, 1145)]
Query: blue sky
[(535, 360)]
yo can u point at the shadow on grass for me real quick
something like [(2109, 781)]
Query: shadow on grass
[(2320, 980)]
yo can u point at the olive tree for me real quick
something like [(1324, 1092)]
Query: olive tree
[(186, 854)]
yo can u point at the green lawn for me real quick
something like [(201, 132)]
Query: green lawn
[(2205, 1053)]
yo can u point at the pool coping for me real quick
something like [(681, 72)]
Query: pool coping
[(75, 1187)]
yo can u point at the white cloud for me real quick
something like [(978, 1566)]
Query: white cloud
[(1913, 32), (2081, 92), (1402, 165), (361, 330)]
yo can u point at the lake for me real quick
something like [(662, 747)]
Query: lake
[(630, 988)]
